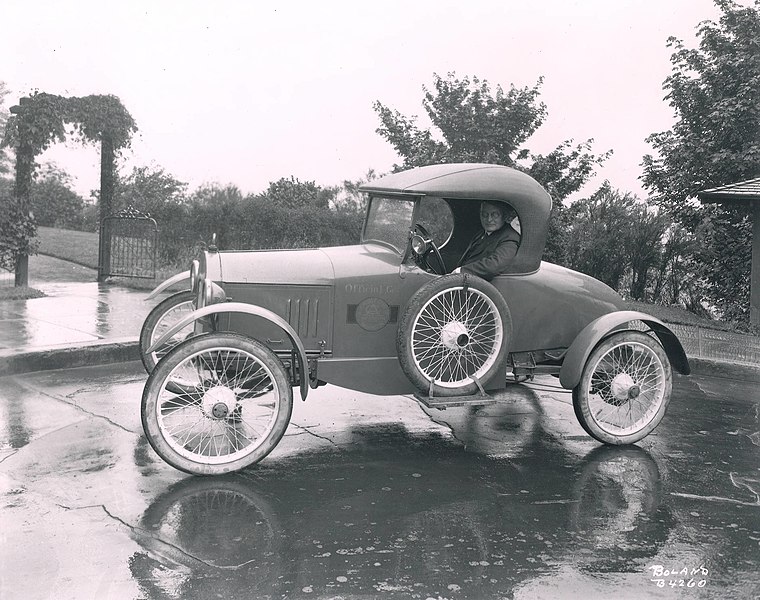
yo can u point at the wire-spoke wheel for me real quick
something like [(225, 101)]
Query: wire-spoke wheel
[(625, 388), (454, 335), (233, 408), (164, 315)]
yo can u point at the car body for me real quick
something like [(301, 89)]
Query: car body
[(341, 315)]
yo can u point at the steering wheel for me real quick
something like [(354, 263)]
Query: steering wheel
[(428, 239)]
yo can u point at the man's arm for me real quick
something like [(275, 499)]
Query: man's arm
[(494, 262)]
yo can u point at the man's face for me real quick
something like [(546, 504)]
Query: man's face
[(490, 217)]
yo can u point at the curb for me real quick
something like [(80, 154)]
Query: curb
[(103, 352), (85, 354)]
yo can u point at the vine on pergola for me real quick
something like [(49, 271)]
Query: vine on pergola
[(39, 121)]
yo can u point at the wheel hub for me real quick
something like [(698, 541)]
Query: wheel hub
[(623, 387), (454, 335), (218, 402)]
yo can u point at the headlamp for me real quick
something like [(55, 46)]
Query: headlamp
[(419, 244), (200, 293), (209, 293), (195, 269)]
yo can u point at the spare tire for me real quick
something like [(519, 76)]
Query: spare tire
[(454, 331)]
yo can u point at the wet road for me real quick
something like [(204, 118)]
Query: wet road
[(376, 498)]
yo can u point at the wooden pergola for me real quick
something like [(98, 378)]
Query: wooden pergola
[(39, 120), (744, 192)]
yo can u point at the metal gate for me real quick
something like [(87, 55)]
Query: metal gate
[(128, 241)]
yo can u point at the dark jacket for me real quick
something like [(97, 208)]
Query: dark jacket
[(488, 255)]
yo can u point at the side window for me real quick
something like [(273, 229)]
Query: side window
[(514, 221), (516, 225), (511, 217), (435, 215)]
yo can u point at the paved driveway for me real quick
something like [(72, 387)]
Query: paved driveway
[(374, 497)]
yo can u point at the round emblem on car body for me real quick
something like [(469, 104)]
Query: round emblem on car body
[(372, 314)]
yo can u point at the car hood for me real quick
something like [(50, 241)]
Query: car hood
[(306, 267)]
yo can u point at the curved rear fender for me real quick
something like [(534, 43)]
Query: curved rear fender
[(249, 309), (168, 283), (597, 330)]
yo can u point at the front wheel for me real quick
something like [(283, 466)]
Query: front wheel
[(625, 388), (232, 411)]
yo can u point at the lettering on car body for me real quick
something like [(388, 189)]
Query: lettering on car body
[(367, 288)]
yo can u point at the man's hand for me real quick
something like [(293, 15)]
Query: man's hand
[(457, 270)]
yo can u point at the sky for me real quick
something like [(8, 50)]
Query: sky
[(245, 92)]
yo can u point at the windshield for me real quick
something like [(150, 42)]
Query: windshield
[(389, 220)]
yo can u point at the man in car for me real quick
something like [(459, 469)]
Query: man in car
[(491, 250)]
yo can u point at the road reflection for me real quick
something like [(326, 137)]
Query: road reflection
[(401, 515), (618, 509), (14, 419)]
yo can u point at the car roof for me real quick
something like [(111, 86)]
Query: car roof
[(477, 182)]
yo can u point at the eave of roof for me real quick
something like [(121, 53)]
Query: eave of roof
[(748, 190)]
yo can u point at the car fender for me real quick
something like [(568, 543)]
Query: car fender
[(249, 309), (582, 346), (168, 283)]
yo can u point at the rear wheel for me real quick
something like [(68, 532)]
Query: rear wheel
[(233, 408), (164, 315), (624, 389), (455, 332)]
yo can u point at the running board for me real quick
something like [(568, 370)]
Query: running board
[(442, 403)]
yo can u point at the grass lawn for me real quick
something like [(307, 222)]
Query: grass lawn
[(19, 293), (81, 247)]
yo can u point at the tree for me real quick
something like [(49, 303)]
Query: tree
[(729, 255), (645, 231), (476, 125), (54, 203), (291, 214), (616, 238), (153, 191), (472, 123), (149, 190), (292, 193), (347, 197), (348, 206), (5, 162), (714, 91), (678, 275), (216, 209), (597, 242)]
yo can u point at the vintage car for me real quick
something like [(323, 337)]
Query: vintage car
[(387, 316)]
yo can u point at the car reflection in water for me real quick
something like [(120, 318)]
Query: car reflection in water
[(618, 510), (401, 515)]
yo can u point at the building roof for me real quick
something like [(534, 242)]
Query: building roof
[(748, 190)]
